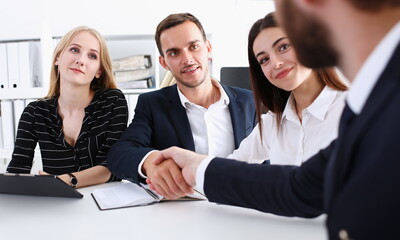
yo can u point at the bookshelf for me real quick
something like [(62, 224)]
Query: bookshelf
[(119, 46), (122, 46), (21, 69)]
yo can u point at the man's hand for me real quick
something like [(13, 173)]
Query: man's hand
[(187, 160), (166, 178)]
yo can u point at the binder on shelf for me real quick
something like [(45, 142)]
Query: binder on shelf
[(135, 84), (19, 106), (132, 63), (13, 64), (3, 66), (132, 75), (7, 124), (25, 70), (35, 63), (134, 72)]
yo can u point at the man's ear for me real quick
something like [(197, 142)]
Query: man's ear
[(161, 59), (209, 47)]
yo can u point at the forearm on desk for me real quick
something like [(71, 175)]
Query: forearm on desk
[(91, 176)]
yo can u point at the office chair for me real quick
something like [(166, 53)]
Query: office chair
[(236, 76)]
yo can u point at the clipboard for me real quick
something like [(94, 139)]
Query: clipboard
[(36, 185)]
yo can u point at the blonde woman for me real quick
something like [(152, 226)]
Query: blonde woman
[(80, 118)]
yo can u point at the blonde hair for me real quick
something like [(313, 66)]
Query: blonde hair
[(106, 79)]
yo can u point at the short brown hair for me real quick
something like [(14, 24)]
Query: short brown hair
[(174, 20)]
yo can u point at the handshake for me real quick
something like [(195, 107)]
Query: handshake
[(172, 172)]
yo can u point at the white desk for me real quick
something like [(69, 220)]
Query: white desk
[(28, 217)]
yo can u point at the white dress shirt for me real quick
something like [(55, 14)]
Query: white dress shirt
[(212, 128), (372, 68), (295, 141), (359, 90)]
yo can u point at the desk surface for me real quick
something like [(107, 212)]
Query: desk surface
[(29, 217)]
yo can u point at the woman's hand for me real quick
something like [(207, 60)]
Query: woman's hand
[(64, 177)]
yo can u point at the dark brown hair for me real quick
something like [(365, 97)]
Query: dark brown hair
[(268, 97), (174, 20)]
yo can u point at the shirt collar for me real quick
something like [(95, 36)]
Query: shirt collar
[(290, 111), (372, 68), (224, 99), (318, 108), (322, 103)]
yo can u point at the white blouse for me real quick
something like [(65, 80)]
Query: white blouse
[(296, 141)]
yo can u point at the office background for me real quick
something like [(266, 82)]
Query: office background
[(129, 28), (227, 21)]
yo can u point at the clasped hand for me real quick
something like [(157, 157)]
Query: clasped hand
[(172, 172)]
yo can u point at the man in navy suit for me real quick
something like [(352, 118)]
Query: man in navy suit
[(198, 113), (355, 180)]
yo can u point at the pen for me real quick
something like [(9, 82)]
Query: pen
[(200, 193)]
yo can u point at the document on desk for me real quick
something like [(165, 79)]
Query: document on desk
[(128, 194)]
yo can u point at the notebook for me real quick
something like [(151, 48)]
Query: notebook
[(37, 185), (128, 194)]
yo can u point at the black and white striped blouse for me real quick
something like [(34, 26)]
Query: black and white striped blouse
[(105, 119)]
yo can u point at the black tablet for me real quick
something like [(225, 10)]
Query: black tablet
[(37, 185)]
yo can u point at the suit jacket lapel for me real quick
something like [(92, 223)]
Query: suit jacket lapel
[(236, 110), (179, 118), (340, 163)]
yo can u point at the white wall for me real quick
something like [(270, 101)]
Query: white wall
[(228, 21)]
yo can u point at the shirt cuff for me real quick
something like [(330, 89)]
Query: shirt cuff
[(141, 164), (200, 173)]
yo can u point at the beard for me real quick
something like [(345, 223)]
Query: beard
[(309, 37), (193, 84), (190, 84)]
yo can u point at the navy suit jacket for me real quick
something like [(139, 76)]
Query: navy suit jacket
[(355, 180), (161, 122)]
